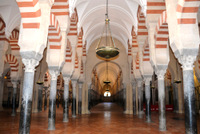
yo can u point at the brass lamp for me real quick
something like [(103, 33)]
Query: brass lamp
[(108, 50)]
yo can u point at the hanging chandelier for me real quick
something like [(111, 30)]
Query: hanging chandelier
[(106, 81), (107, 50)]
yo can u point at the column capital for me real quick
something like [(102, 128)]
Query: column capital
[(66, 79), (139, 82), (74, 82), (30, 64), (187, 61), (147, 80), (54, 73), (80, 84), (14, 82), (161, 73)]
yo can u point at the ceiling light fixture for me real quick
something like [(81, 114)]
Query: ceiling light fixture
[(107, 50)]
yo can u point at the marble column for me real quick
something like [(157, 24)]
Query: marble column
[(66, 98), (124, 96), (148, 98), (52, 99), (40, 96), (26, 103), (14, 98), (140, 110), (1, 92), (88, 98), (80, 85), (74, 83), (134, 97), (161, 99), (45, 97), (189, 94), (20, 93)]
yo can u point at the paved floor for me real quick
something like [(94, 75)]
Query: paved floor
[(105, 118)]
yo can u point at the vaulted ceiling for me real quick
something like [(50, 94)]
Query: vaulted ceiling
[(122, 14)]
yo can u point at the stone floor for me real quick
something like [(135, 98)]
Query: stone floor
[(104, 118)]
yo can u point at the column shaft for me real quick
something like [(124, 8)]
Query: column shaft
[(80, 99), (1, 92), (14, 100), (140, 110), (66, 98), (134, 100), (26, 103), (161, 101), (148, 105), (52, 105), (40, 87), (189, 102), (74, 98)]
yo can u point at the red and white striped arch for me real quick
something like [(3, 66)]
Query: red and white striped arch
[(84, 50), (54, 35), (162, 33), (187, 11), (13, 40), (137, 62), (142, 29), (155, 6), (60, 7), (76, 61), (73, 24), (129, 49), (80, 39), (12, 60), (132, 67), (68, 56), (134, 41), (81, 67), (146, 53), (2, 30), (30, 13)]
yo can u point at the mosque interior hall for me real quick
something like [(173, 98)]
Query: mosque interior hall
[(99, 66)]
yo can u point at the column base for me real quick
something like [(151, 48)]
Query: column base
[(128, 112), (162, 125), (148, 120), (73, 116), (51, 125), (1, 109), (140, 114), (13, 114), (87, 112), (65, 120)]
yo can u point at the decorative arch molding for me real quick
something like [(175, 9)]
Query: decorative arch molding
[(54, 35), (13, 62)]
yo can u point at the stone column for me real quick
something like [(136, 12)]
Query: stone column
[(52, 99), (134, 98), (40, 96), (88, 98), (1, 92), (187, 62), (140, 110), (14, 98), (124, 96), (45, 97), (74, 83), (148, 98), (3, 48), (20, 93), (66, 98), (161, 99), (80, 97), (26, 103)]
